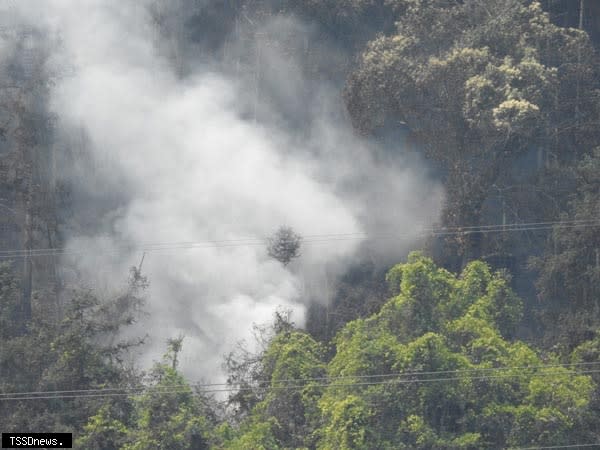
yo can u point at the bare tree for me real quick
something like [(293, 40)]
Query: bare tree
[(284, 245)]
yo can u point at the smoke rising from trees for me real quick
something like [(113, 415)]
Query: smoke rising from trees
[(200, 154)]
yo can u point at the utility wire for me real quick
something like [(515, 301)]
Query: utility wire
[(338, 377), (336, 236), (168, 390), (316, 238), (557, 446), (298, 384)]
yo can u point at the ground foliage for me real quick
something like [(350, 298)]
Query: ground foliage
[(436, 367)]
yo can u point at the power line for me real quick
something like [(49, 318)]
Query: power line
[(557, 446), (187, 389), (298, 383), (339, 377), (328, 237), (317, 238), (398, 381)]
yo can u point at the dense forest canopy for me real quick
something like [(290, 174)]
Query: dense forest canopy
[(291, 116)]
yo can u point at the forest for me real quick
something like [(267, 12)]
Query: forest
[(301, 224)]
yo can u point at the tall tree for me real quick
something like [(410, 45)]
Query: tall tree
[(81, 351), (569, 280), (478, 83), (435, 368), (167, 415)]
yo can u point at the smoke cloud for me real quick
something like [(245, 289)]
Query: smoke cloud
[(205, 152)]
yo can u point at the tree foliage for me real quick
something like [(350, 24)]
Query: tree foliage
[(477, 84), (569, 280), (284, 245), (503, 98), (81, 351), (168, 415), (436, 367)]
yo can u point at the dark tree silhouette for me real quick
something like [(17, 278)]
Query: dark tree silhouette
[(284, 245)]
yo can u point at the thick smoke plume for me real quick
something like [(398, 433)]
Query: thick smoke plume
[(200, 153)]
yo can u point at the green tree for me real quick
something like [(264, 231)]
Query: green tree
[(246, 370), (104, 430), (167, 415), (569, 280), (81, 351), (442, 371), (288, 414), (10, 319), (477, 84)]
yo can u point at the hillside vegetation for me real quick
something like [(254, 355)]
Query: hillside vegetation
[(486, 337)]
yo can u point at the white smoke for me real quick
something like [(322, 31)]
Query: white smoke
[(180, 160)]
